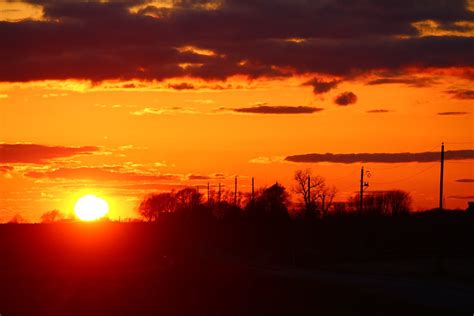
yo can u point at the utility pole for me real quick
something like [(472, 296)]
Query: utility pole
[(219, 195), (322, 206), (253, 189), (441, 179), (208, 195), (309, 193), (361, 197), (235, 191)]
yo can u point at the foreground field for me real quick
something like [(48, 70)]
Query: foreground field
[(142, 269)]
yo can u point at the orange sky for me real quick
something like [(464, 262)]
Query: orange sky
[(155, 134)]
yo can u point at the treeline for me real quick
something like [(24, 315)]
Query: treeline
[(313, 199)]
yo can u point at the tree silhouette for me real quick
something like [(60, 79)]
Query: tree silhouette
[(156, 204), (271, 202), (316, 196), (52, 216), (396, 202), (188, 199)]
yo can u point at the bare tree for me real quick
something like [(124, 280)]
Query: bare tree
[(312, 189), (326, 199)]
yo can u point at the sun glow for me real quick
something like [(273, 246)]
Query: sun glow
[(90, 208)]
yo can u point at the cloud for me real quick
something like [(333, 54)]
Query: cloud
[(6, 169), (205, 177), (320, 87), (198, 177), (37, 154), (465, 180), (98, 174), (162, 111), (382, 157), (338, 38), (461, 197), (181, 86), (378, 111), (462, 94), (406, 80), (274, 109), (452, 113), (345, 98), (267, 160)]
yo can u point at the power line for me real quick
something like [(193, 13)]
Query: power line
[(458, 143), (346, 176), (409, 177), (390, 168)]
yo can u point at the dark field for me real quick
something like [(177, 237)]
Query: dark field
[(384, 266)]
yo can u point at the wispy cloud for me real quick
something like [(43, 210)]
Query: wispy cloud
[(165, 111), (411, 81), (462, 94), (452, 113), (5, 169), (465, 180), (99, 174), (378, 111), (267, 160), (205, 177), (273, 109), (37, 154)]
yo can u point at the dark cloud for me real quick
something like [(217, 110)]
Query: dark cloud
[(465, 180), (99, 40), (382, 157), (345, 98), (409, 81), (452, 113), (378, 111), (462, 94), (34, 153), (181, 86), (320, 87), (98, 174), (273, 109)]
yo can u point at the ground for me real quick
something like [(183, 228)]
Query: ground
[(136, 269)]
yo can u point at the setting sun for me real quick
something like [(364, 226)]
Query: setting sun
[(90, 208)]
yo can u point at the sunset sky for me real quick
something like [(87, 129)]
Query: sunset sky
[(123, 98)]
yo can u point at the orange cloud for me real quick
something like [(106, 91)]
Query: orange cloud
[(34, 153), (98, 174)]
